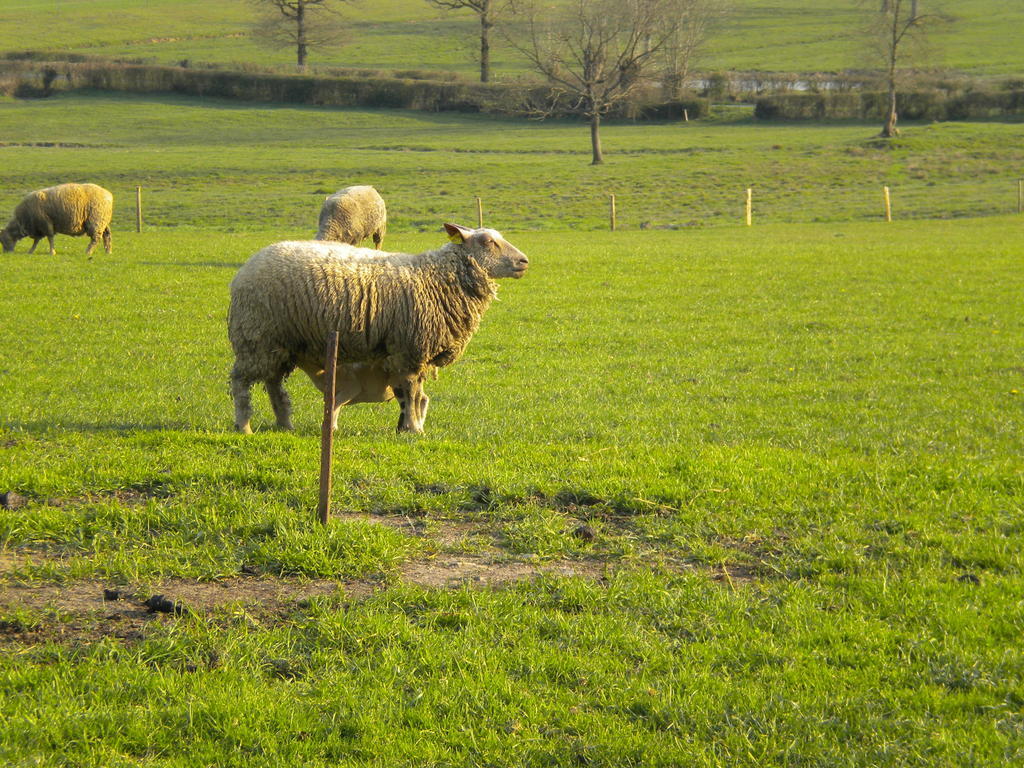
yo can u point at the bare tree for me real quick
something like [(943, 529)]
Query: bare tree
[(913, 7), (596, 52), (302, 24), (489, 12), (897, 28), (696, 21)]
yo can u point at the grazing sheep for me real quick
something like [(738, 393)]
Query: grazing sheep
[(353, 214), (67, 209), (399, 317)]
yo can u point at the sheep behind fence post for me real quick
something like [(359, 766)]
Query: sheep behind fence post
[(400, 317)]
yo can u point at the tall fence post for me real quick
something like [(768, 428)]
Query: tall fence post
[(750, 206), (611, 211), (327, 430), (138, 209), (479, 213), (888, 204)]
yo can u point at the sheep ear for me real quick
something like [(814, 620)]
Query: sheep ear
[(456, 233)]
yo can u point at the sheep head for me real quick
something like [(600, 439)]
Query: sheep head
[(10, 235), (495, 255)]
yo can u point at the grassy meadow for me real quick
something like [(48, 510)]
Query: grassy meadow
[(769, 35), (760, 488), (232, 166), (796, 448)]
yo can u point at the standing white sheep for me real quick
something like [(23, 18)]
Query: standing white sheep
[(398, 315), (66, 209), (353, 214)]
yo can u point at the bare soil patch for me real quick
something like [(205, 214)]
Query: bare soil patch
[(87, 611), (446, 533)]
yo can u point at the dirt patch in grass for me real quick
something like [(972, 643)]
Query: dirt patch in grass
[(273, 593), (87, 611), (129, 496), (482, 571), (468, 553), (445, 533)]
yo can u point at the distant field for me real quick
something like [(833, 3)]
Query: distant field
[(797, 450), (232, 166), (773, 35)]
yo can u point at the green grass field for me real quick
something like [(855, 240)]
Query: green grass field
[(771, 35), (234, 166), (797, 448), (708, 496)]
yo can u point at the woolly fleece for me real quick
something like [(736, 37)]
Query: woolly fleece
[(66, 209), (353, 214), (405, 313)]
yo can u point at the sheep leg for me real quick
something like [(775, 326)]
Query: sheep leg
[(421, 408), (241, 392), (279, 401), (53, 251), (92, 244), (412, 402), (108, 245), (35, 242), (378, 238), (402, 396)]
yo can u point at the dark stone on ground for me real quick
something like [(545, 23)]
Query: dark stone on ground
[(584, 533), (160, 604), (12, 500)]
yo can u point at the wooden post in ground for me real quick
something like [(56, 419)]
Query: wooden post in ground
[(686, 115), (479, 213), (888, 204), (611, 211), (138, 209), (750, 206), (327, 431)]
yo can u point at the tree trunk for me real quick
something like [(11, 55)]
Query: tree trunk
[(595, 138), (485, 44), (889, 130), (300, 35)]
